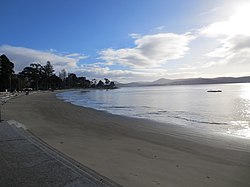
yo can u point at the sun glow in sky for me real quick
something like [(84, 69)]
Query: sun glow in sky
[(129, 40), (235, 25)]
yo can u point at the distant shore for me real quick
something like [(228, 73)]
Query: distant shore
[(133, 152)]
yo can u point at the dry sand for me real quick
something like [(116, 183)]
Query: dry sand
[(133, 152)]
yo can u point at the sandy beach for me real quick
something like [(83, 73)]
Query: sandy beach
[(133, 152)]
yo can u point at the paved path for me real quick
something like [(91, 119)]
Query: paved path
[(25, 160)]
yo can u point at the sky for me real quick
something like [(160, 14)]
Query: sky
[(129, 40)]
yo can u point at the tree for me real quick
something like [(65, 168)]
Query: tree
[(87, 84), (112, 85), (72, 80), (83, 82), (37, 77), (22, 81), (48, 69), (100, 84), (33, 76), (48, 72), (37, 74), (93, 83), (56, 82), (107, 81), (6, 72)]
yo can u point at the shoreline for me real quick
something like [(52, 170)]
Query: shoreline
[(185, 131), (209, 119), (130, 151)]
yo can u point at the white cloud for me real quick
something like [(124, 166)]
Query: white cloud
[(99, 71), (215, 9), (96, 71), (23, 57), (134, 35), (76, 56), (231, 56), (160, 28), (233, 51), (150, 50), (232, 46)]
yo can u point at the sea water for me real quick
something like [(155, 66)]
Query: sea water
[(225, 112)]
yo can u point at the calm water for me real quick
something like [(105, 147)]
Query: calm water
[(223, 112)]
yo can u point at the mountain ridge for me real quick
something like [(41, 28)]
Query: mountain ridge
[(188, 81)]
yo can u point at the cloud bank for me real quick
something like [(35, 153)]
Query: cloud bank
[(149, 51), (23, 57)]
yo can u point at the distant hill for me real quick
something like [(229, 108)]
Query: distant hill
[(162, 81), (191, 81), (133, 84)]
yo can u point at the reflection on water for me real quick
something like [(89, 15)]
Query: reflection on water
[(245, 92), (242, 127), (227, 111)]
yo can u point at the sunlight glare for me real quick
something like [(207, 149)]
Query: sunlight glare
[(238, 23), (245, 92)]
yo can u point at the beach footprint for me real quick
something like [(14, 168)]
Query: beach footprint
[(133, 174), (156, 182)]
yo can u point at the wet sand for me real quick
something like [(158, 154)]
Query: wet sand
[(133, 152)]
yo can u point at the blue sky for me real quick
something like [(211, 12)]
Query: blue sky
[(128, 40)]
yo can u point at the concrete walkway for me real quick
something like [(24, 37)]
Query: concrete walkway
[(25, 160)]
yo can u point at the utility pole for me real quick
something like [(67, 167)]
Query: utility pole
[(1, 110), (19, 86), (10, 82)]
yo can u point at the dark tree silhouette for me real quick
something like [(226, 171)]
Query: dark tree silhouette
[(48, 72), (93, 83), (100, 84), (56, 82), (6, 73), (112, 85), (33, 76), (37, 74), (41, 77), (83, 82), (72, 80), (107, 81)]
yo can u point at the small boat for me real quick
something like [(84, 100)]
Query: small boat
[(214, 91)]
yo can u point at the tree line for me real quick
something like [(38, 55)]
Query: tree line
[(38, 77)]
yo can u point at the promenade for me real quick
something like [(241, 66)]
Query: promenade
[(25, 160)]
